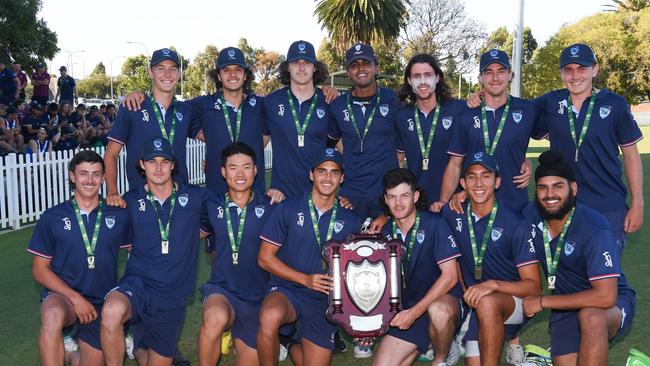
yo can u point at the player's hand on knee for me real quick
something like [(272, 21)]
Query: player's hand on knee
[(85, 311), (457, 200), (345, 202), (115, 200), (474, 293), (404, 319), (377, 224), (133, 100), (320, 282), (275, 195)]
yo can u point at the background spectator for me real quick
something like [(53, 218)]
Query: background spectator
[(22, 77), (9, 84), (10, 127), (66, 87), (41, 82)]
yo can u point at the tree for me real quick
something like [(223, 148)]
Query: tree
[(331, 56), (23, 37), (627, 5), (504, 40), (99, 69), (97, 84), (197, 81), (134, 73), (443, 29), (350, 21), (266, 77), (250, 53)]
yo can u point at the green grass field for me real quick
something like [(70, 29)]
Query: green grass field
[(19, 306)]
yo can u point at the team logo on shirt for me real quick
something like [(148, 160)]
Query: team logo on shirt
[(220, 212), (459, 224), (533, 232), (604, 111), (142, 205), (301, 219), (320, 112), (383, 109), (411, 125), (338, 226), (517, 115), (179, 116), (452, 241), (109, 221), (67, 225), (477, 122), (608, 260), (446, 122), (561, 106), (259, 211), (569, 247), (346, 115), (183, 199), (281, 110), (252, 101), (145, 115), (419, 236), (496, 233), (217, 106)]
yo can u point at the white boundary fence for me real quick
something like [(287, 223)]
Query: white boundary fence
[(29, 186)]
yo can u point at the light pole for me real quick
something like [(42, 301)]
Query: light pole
[(515, 88), (114, 58), (146, 50), (70, 63)]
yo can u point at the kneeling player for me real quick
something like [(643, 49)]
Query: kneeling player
[(431, 298), (499, 266), (234, 292), (591, 301), (75, 246), (291, 251)]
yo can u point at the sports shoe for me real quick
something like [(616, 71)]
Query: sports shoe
[(69, 344), (515, 354), (362, 351), (456, 351), (427, 357), (128, 340), (339, 344)]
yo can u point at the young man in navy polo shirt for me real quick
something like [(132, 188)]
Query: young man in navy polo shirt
[(501, 126), (499, 266), (291, 247), (234, 292), (161, 271), (160, 116), (432, 298), (591, 302), (589, 126), (9, 85), (365, 121), (75, 246), (425, 122), (66, 87), (298, 120)]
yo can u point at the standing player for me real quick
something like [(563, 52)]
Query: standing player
[(234, 292), (431, 298), (291, 250), (365, 119), (160, 116), (425, 122), (75, 246), (499, 266), (9, 85), (66, 87), (589, 126), (298, 120), (161, 271), (591, 302), (502, 126), (41, 83)]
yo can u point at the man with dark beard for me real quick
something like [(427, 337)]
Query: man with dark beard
[(591, 302)]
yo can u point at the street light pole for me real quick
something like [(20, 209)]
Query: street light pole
[(116, 57), (70, 62), (146, 50), (515, 88)]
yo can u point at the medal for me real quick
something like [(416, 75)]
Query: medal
[(235, 258), (90, 245), (301, 128), (551, 282), (164, 247), (425, 149), (314, 221), (161, 124), (164, 231), (235, 242), (580, 139), (478, 272), (552, 261), (371, 117), (479, 252), (425, 164), (490, 148)]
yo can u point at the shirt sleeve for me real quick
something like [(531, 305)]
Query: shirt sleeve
[(334, 132), (127, 233), (42, 242), (206, 210), (602, 256), (275, 229), (458, 144), (445, 245), (540, 128), (121, 129), (264, 115), (523, 247), (627, 130)]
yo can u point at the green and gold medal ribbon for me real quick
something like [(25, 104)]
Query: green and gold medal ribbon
[(301, 128), (490, 148), (580, 139), (235, 242), (161, 124), (234, 134), (371, 117), (409, 245), (426, 149), (164, 230), (90, 245), (314, 221), (553, 261), (479, 252)]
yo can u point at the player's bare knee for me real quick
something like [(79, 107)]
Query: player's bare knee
[(440, 311), (592, 320), (215, 321), (113, 313), (270, 318), (52, 318), (488, 306)]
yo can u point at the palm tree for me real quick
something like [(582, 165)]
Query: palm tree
[(349, 21), (627, 5)]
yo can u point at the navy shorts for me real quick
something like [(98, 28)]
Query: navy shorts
[(88, 333), (565, 327), (616, 221), (156, 321), (247, 315), (312, 324)]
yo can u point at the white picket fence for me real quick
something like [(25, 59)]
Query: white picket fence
[(30, 185)]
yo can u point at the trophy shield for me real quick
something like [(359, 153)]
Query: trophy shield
[(366, 292)]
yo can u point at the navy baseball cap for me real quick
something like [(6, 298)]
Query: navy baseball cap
[(11, 110), (329, 155), (40, 65), (157, 147), (164, 54), (578, 53), (360, 51), (494, 56), (231, 56), (482, 158), (301, 50), (35, 105), (63, 68)]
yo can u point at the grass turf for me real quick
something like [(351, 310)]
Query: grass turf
[(19, 306)]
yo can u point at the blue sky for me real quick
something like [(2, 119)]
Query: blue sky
[(102, 29)]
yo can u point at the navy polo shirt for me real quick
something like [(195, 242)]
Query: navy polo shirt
[(291, 164), (246, 280), (36, 123), (598, 170), (57, 237), (8, 83), (217, 136), (171, 275), (364, 170), (290, 227), (509, 246), (521, 124), (133, 128), (448, 119), (434, 245), (66, 86)]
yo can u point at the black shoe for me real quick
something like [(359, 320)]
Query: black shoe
[(339, 344), (179, 360)]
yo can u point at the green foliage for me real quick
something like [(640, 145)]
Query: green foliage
[(627, 5), (350, 21), (503, 40), (197, 81), (250, 54), (99, 69), (23, 37), (331, 56), (134, 74), (266, 75), (95, 85)]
